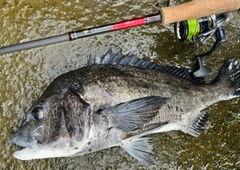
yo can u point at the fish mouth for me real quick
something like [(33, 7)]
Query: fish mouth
[(24, 141), (26, 137), (33, 147)]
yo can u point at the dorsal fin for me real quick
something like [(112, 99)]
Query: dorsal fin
[(118, 58)]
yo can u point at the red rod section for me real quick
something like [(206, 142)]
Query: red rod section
[(115, 26), (129, 24)]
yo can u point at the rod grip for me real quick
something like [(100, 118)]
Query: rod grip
[(197, 9)]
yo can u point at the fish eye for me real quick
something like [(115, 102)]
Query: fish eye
[(37, 113)]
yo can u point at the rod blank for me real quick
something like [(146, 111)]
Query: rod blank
[(34, 44)]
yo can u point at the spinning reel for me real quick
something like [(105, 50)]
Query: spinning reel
[(198, 30)]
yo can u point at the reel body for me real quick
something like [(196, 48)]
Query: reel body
[(198, 30)]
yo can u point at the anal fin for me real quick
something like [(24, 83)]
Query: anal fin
[(141, 149), (197, 127)]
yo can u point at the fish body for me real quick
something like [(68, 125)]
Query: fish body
[(118, 101)]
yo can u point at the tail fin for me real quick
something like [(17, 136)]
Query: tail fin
[(229, 76)]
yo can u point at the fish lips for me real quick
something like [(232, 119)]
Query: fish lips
[(28, 139), (24, 141)]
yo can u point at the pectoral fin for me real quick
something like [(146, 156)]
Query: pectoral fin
[(196, 128), (140, 149), (135, 113)]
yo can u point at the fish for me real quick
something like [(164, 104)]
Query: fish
[(118, 101)]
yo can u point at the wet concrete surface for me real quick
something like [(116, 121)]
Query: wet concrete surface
[(24, 76)]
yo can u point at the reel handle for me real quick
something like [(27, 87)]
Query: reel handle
[(204, 71), (197, 9)]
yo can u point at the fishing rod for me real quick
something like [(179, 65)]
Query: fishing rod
[(167, 15)]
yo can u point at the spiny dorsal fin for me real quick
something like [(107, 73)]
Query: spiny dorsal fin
[(141, 149), (133, 60), (133, 114), (197, 127)]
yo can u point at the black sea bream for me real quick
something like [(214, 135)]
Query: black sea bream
[(118, 101)]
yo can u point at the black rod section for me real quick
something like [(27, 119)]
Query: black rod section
[(34, 44)]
